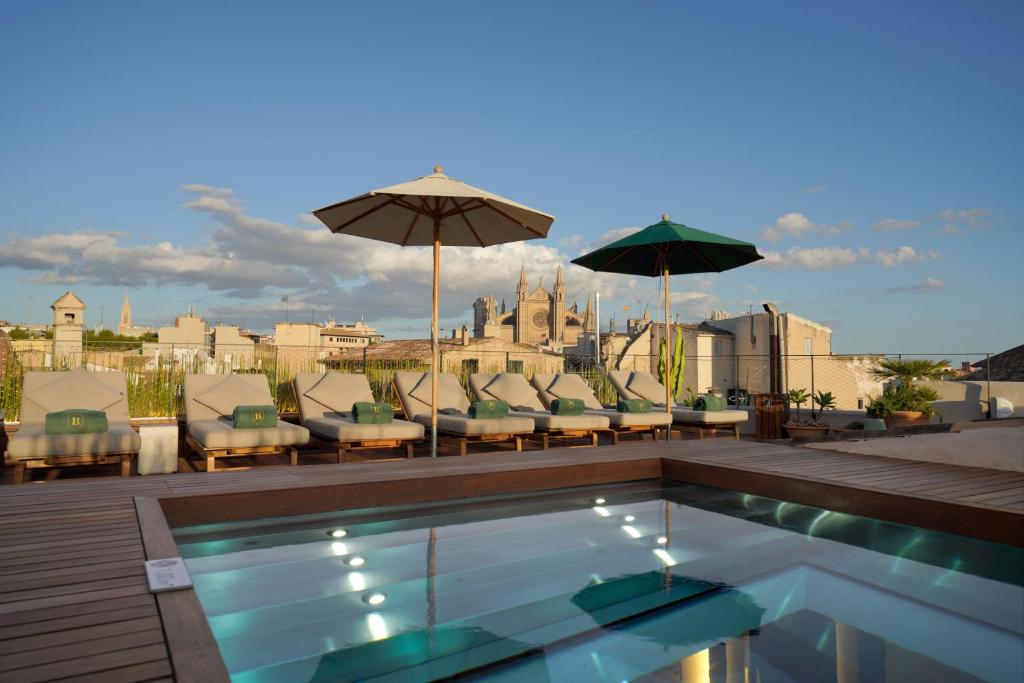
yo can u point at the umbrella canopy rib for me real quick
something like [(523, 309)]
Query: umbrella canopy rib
[(364, 215), (522, 225)]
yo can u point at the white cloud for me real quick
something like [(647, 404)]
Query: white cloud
[(891, 258), (252, 259), (816, 258), (925, 286), (896, 224), (799, 226), (953, 222)]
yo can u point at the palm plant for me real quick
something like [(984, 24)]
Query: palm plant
[(825, 401), (799, 397), (908, 371)]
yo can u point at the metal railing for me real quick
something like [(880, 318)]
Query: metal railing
[(156, 372)]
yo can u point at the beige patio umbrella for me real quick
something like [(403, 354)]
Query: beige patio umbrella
[(431, 211)]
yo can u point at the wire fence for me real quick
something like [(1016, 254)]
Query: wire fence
[(156, 372)]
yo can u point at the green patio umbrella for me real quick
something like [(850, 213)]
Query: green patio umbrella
[(666, 249)]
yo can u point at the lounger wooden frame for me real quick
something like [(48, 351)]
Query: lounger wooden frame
[(653, 430), (462, 441), (54, 463), (700, 428), (212, 455)]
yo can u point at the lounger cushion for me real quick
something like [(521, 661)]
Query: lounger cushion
[(30, 441), (514, 390), (573, 386), (450, 393), (644, 385), (340, 392), (76, 389), (342, 428), (633, 419), (688, 416), (220, 434), (546, 421), (466, 426), (225, 396)]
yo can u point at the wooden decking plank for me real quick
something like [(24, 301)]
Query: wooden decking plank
[(63, 623), (67, 635), (88, 664), (75, 650), (56, 614), (154, 672)]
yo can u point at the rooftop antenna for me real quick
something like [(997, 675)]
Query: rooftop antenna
[(284, 298)]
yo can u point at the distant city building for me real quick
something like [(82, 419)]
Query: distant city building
[(125, 328), (68, 330), (320, 340), (540, 317), (461, 354)]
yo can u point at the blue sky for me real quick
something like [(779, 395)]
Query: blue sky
[(873, 151)]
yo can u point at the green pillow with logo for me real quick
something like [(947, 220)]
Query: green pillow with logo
[(634, 405), (254, 417), (488, 410), (76, 421), (567, 406), (367, 413)]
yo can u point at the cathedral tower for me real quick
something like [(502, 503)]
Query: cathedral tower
[(522, 314), (558, 309), (124, 326)]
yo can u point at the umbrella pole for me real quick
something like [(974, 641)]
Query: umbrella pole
[(434, 359), (668, 361)]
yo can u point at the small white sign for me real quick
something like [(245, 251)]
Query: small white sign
[(170, 574)]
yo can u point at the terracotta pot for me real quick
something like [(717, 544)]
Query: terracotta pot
[(906, 418), (805, 432)]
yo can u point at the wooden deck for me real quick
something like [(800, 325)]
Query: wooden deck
[(73, 596)]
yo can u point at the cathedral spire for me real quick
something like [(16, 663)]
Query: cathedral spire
[(522, 287), (559, 282)]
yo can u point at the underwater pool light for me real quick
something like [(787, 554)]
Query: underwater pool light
[(355, 561), (599, 501), (629, 518), (374, 598), (337, 533)]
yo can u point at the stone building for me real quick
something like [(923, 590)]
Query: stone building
[(540, 317), (68, 331)]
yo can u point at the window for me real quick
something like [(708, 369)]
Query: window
[(808, 346), (716, 347), (515, 366), (470, 365)]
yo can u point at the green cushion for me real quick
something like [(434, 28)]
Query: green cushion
[(254, 417), (567, 406), (710, 402), (76, 421), (366, 413), (634, 405), (488, 410)]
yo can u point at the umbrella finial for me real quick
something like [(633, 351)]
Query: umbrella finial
[(664, 217), (438, 170)]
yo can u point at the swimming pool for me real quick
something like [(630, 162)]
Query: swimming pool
[(643, 581)]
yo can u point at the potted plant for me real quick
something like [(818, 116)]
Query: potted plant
[(902, 405), (904, 402), (799, 427)]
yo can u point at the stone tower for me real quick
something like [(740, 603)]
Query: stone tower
[(558, 309), (124, 325), (484, 311), (522, 313), (68, 328)]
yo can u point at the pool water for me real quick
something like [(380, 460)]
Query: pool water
[(644, 581)]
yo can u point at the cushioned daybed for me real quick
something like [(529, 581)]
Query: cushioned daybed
[(325, 403), (523, 401), (639, 384), (51, 392), (209, 403), (549, 387), (453, 421)]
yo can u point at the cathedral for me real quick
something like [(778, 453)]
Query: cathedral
[(539, 317)]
